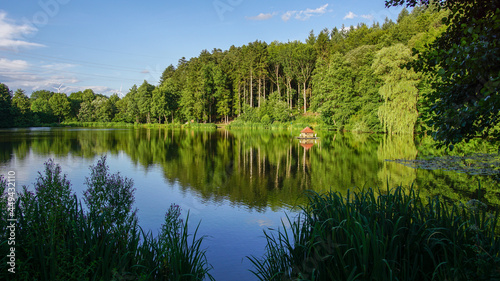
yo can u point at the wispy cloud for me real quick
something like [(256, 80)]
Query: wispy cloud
[(304, 14), (13, 65), (286, 16), (21, 74), (261, 16), (352, 15), (368, 17), (58, 66), (12, 35)]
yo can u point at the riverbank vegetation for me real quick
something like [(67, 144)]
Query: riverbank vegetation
[(55, 237), (383, 235)]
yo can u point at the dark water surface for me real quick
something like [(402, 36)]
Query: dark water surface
[(237, 183)]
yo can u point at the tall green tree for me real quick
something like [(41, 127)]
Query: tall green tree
[(22, 108), (305, 56), (87, 110), (143, 98), (222, 93), (75, 100), (5, 106), (41, 108), (131, 100), (103, 110), (398, 113), (465, 59), (333, 91), (365, 96), (164, 101), (60, 106)]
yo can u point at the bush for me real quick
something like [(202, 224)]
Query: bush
[(56, 239), (266, 120)]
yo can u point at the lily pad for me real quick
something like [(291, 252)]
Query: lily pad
[(473, 164)]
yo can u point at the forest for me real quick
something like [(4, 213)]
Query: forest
[(353, 78)]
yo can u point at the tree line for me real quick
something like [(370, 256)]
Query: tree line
[(352, 78)]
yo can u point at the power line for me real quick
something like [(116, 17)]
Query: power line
[(61, 60), (48, 71), (101, 50)]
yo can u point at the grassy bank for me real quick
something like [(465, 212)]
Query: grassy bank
[(395, 236), (298, 123), (135, 125), (56, 238)]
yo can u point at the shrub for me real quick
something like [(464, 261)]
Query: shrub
[(56, 239), (266, 120)]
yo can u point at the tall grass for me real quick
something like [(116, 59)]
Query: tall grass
[(58, 239), (394, 236)]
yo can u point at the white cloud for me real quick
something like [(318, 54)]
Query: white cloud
[(12, 65), (261, 16), (368, 17), (286, 16), (12, 34), (304, 14), (350, 15), (348, 28)]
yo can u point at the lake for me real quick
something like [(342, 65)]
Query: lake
[(238, 183)]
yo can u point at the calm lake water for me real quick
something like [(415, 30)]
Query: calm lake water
[(234, 183)]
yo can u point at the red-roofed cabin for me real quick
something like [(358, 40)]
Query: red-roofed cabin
[(307, 133)]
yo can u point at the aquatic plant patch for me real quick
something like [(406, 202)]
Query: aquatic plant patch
[(474, 164)]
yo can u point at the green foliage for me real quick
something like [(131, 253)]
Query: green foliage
[(333, 92), (41, 108), (143, 99), (464, 64), (60, 106), (56, 239), (21, 107), (398, 113), (385, 236), (5, 106), (111, 195)]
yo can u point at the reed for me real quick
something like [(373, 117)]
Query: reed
[(375, 236), (59, 239)]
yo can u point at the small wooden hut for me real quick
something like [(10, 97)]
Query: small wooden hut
[(307, 133)]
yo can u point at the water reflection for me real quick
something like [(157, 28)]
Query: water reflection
[(257, 169), (236, 182)]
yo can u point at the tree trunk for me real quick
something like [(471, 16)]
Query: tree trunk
[(298, 94), (305, 99), (278, 80), (260, 86), (239, 99), (264, 80), (244, 96), (251, 88)]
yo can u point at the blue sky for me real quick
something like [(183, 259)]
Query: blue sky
[(71, 45)]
